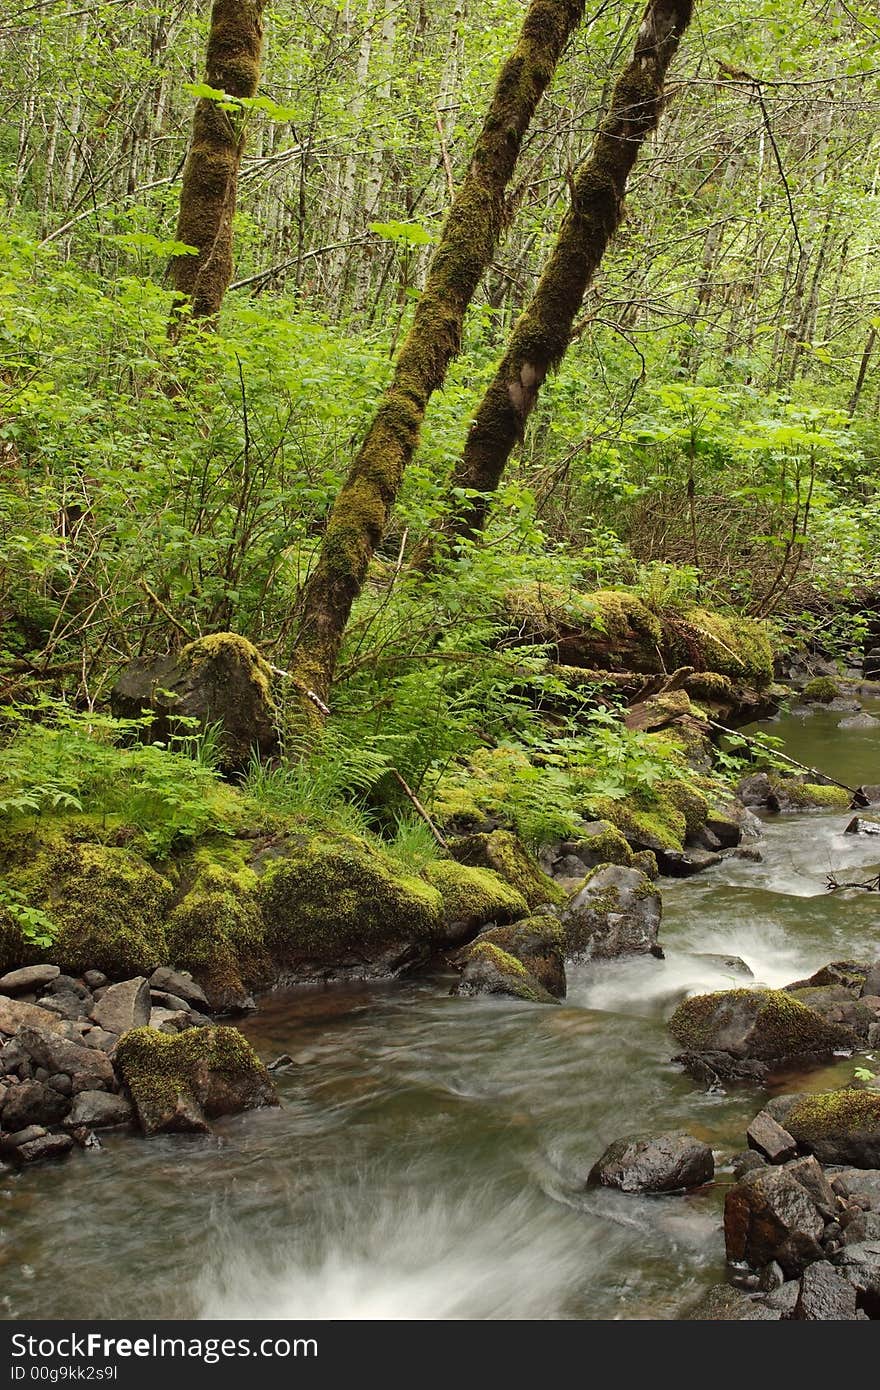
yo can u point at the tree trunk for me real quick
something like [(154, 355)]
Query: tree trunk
[(210, 177), (542, 333), (466, 248)]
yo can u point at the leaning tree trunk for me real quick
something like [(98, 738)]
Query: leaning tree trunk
[(210, 177), (543, 331), (466, 248)]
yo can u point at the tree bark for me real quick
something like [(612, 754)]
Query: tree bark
[(210, 177), (542, 333), (466, 248)]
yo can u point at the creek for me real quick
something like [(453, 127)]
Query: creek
[(430, 1156)]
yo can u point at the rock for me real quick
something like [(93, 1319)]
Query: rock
[(662, 1163), (825, 1295), (537, 942), (600, 843), (472, 898), (749, 852), (727, 831), (46, 1146), (860, 1266), (507, 856), (768, 1027), (95, 979), (33, 1103), (871, 986), (68, 984), (8, 1142), (29, 977), (770, 1139), (60, 1083), (616, 912), (768, 1215), (124, 1006), (755, 790), (837, 1005), (724, 1304), (839, 1126), (784, 1299), (59, 1055), (69, 1006), (220, 679), (159, 999), (747, 1161), (169, 1020), (98, 1110), (845, 974), (15, 1015), (734, 965), (490, 970), (811, 1175), (99, 1037), (865, 1181), (179, 1083), (688, 862), (862, 720), (860, 826)]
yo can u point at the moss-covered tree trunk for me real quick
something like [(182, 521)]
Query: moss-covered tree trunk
[(466, 248), (543, 331), (210, 177)]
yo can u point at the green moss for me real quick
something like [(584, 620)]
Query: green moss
[(833, 1113), (711, 686), (506, 855), (167, 1073), (607, 846), (216, 931), (491, 970), (537, 942), (821, 690), (736, 647), (337, 894), (647, 820), (474, 896), (646, 860)]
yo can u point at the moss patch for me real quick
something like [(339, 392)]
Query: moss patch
[(833, 1113), (821, 690), (807, 796), (736, 647), (763, 1024), (473, 897), (491, 970), (508, 857), (216, 931)]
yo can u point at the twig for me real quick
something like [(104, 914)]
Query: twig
[(748, 738), (165, 611), (420, 809)]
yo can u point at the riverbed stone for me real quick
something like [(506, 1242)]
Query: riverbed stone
[(507, 856), (616, 912), (825, 1295), (537, 942), (769, 1028), (15, 1014), (768, 1215), (178, 1083), (33, 1103), (179, 983), (46, 1146), (28, 978), (770, 1139), (58, 1054), (659, 1163), (123, 1006), (839, 1126), (98, 1110)]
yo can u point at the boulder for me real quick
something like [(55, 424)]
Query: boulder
[(766, 1029), (660, 1163), (837, 1005), (862, 720), (472, 898), (28, 978), (179, 1082), (860, 1265), (839, 1126), (615, 912), (45, 1146), (871, 985), (33, 1103), (57, 1054), (98, 1110), (217, 680), (489, 970), (754, 790), (123, 1006), (769, 1215), (770, 1139), (825, 1295), (537, 942), (507, 856), (179, 983)]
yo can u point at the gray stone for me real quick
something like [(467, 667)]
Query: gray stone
[(724, 1304), (33, 1103), (29, 977), (747, 1161), (61, 1083), (124, 1006), (169, 1020), (825, 1295), (95, 979), (98, 1110), (871, 986), (47, 1146), (770, 1139), (811, 1175), (769, 1215), (615, 913), (68, 984), (58, 1054), (15, 1014), (65, 1005), (661, 1163), (755, 790), (180, 983), (8, 1142), (160, 999)]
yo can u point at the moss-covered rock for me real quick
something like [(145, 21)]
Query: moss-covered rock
[(220, 679), (335, 905), (736, 647), (473, 897), (766, 1026), (646, 819), (216, 930), (606, 628), (108, 907), (507, 856), (603, 845), (178, 1082), (820, 691), (616, 912), (490, 970), (790, 794), (538, 943), (839, 1126)]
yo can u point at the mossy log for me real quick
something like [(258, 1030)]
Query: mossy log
[(543, 332), (210, 178), (467, 246)]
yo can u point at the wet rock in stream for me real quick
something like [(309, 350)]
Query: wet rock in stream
[(654, 1164)]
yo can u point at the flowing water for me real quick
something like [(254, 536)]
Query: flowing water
[(430, 1156)]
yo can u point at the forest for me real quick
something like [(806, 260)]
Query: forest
[(440, 544)]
